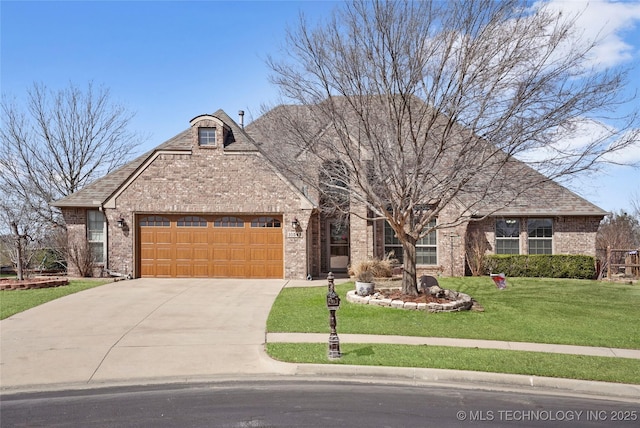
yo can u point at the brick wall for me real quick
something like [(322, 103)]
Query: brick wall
[(571, 235), (207, 181)]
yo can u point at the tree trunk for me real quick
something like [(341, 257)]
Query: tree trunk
[(18, 238), (409, 282)]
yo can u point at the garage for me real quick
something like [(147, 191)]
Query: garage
[(214, 246)]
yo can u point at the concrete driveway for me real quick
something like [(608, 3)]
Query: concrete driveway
[(140, 330)]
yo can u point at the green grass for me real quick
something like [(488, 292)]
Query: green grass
[(13, 302), (604, 369), (561, 311)]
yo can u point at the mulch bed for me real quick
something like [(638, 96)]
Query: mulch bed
[(8, 284), (395, 294)]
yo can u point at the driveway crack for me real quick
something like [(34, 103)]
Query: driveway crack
[(133, 328)]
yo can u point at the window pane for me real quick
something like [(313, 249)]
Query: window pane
[(507, 246), (426, 256), (540, 246), (265, 222), (95, 234), (508, 236), (207, 136), (229, 221), (540, 232), (426, 247), (154, 221), (97, 251), (192, 221), (508, 228), (540, 228)]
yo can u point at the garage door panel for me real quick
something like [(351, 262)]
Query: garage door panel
[(258, 254), (184, 237), (163, 270), (224, 252), (184, 253), (201, 254), (219, 237), (163, 237), (164, 253)]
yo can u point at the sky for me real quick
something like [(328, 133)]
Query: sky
[(170, 61)]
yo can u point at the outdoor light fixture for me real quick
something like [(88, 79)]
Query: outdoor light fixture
[(295, 224), (121, 223)]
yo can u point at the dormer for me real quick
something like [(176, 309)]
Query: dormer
[(209, 132)]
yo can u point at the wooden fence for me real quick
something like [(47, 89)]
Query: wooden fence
[(623, 262)]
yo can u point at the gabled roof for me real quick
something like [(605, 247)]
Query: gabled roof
[(98, 192), (273, 132)]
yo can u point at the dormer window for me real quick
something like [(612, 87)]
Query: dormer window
[(207, 137)]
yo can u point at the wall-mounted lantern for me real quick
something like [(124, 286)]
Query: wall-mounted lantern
[(295, 224), (121, 223)]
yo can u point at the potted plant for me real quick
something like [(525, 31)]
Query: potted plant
[(364, 283)]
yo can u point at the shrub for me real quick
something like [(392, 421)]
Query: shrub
[(372, 267), (543, 265)]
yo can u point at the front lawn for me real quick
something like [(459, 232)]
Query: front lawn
[(605, 369), (573, 312), (12, 302), (562, 311)]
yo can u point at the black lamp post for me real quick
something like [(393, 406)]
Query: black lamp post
[(333, 303)]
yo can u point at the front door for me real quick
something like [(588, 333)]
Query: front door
[(338, 246)]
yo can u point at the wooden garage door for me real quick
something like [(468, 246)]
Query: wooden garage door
[(211, 246)]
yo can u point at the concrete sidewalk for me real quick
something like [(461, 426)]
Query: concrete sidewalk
[(462, 343), (149, 331)]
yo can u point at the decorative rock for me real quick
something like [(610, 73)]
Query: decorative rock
[(397, 304), (410, 305)]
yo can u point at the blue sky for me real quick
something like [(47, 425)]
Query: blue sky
[(170, 61)]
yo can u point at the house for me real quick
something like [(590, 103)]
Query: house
[(209, 202)]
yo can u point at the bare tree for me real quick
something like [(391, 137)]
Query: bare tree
[(52, 146), (60, 141), (619, 231), (635, 204), (409, 107), (24, 230)]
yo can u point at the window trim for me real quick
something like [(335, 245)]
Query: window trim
[(103, 241), (205, 134), (505, 239), (545, 239)]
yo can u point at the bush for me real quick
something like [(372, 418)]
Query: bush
[(543, 265), (372, 268)]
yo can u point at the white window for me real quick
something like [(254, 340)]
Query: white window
[(426, 247), (508, 236), (207, 136), (96, 235), (540, 231)]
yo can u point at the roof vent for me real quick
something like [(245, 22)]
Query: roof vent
[(241, 114)]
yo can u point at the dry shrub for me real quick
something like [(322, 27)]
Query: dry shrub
[(477, 247), (372, 268)]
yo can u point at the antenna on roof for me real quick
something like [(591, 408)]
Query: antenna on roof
[(241, 114)]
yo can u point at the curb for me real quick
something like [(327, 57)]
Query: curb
[(474, 380)]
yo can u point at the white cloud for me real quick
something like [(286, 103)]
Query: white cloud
[(588, 137), (605, 21)]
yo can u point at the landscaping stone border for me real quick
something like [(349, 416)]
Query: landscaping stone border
[(7, 284), (462, 302)]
